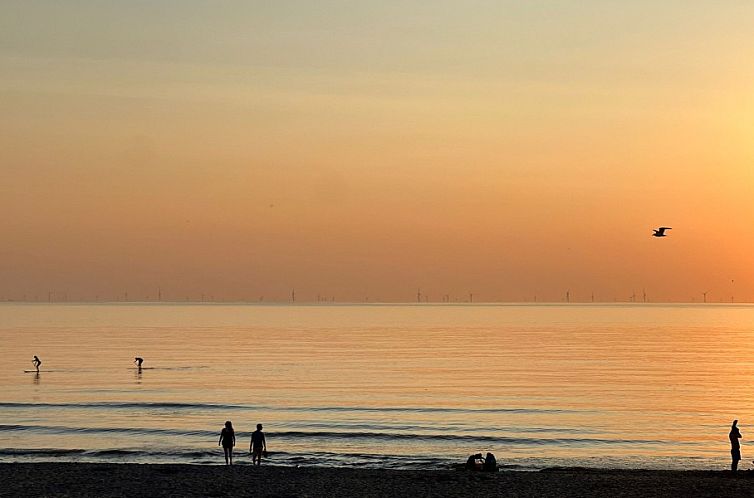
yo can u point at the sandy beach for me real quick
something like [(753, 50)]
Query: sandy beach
[(79, 479)]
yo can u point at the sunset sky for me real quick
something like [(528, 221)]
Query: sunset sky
[(354, 149)]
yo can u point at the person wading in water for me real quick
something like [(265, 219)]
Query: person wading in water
[(257, 446), (228, 440)]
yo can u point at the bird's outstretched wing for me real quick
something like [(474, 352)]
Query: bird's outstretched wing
[(660, 232)]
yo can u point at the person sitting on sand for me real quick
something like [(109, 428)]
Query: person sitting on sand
[(474, 462), (490, 463), (36, 362), (257, 446), (228, 440), (138, 361), (735, 446)]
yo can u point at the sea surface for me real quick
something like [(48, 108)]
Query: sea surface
[(389, 386)]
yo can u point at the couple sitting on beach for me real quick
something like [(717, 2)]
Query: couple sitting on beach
[(257, 446), (485, 464)]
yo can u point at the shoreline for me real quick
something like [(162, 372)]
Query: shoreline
[(158, 480)]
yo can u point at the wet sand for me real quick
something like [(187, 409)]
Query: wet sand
[(80, 479)]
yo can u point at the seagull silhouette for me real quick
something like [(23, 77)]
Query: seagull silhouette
[(660, 232)]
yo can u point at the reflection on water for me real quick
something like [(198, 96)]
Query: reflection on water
[(387, 386)]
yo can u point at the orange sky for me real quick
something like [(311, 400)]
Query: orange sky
[(508, 149)]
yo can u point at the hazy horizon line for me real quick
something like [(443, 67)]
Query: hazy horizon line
[(375, 303)]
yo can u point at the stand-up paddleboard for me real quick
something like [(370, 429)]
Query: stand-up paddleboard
[(31, 371)]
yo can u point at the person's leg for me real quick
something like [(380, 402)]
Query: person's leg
[(225, 451), (230, 454)]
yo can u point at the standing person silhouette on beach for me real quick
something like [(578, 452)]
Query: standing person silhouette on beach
[(735, 446), (228, 440), (36, 362), (138, 360), (257, 446)]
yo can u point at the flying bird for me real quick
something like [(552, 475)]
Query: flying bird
[(660, 232)]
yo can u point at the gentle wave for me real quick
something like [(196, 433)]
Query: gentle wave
[(461, 437), (380, 436), (41, 451), (213, 406), (58, 429), (324, 459), (277, 458), (110, 452), (129, 405), (333, 459), (313, 459), (429, 426)]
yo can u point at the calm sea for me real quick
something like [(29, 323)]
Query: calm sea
[(412, 386)]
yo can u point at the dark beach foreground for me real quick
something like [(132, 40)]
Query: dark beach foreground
[(83, 479)]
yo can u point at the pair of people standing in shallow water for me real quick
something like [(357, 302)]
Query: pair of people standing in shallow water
[(257, 446)]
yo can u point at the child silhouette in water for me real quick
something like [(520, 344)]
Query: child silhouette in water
[(228, 440)]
